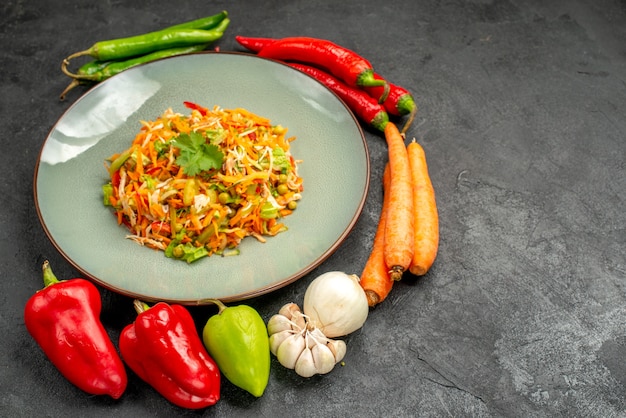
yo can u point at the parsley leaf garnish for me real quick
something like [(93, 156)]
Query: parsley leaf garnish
[(196, 155)]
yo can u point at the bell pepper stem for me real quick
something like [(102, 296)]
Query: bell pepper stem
[(219, 304), (48, 276), (140, 306)]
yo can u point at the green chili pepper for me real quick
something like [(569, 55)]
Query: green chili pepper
[(101, 69), (206, 23), (116, 49), (94, 73), (92, 67), (236, 338)]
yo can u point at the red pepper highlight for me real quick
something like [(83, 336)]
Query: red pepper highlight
[(64, 319), (341, 62), (365, 106), (164, 349)]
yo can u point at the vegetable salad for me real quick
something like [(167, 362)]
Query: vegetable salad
[(197, 185)]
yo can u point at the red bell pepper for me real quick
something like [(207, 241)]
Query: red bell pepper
[(64, 319), (164, 349)]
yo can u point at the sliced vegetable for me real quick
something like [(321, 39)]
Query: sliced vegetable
[(215, 176)]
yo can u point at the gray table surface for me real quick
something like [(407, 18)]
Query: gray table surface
[(522, 115)]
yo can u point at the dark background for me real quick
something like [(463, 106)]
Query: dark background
[(522, 115)]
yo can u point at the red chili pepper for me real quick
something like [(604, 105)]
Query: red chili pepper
[(116, 178), (343, 63), (64, 319), (254, 44), (161, 228), (399, 101), (365, 106), (190, 105), (164, 349)]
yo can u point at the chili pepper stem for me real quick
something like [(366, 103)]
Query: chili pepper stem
[(48, 276), (75, 83), (409, 121), (367, 79), (68, 73), (383, 97), (67, 60)]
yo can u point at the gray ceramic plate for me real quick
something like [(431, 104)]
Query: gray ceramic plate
[(71, 171)]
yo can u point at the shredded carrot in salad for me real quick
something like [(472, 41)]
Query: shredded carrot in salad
[(193, 186)]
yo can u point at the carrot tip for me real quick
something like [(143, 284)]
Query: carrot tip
[(396, 273), (372, 298)]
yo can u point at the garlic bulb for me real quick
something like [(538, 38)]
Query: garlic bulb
[(336, 304), (298, 345)]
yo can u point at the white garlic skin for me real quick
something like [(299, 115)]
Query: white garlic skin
[(276, 339), (299, 345), (288, 309), (338, 348), (323, 358), (278, 323), (290, 349), (305, 365), (336, 303)]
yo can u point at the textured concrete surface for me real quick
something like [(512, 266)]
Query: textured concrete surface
[(522, 118)]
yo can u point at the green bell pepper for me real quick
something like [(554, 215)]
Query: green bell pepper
[(236, 338)]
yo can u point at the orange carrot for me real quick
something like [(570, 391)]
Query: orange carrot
[(399, 233), (375, 278), (426, 218)]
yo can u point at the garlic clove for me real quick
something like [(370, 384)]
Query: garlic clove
[(290, 349), (323, 358), (299, 320), (318, 334), (277, 339), (288, 309), (278, 323), (310, 339), (338, 348), (305, 365)]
